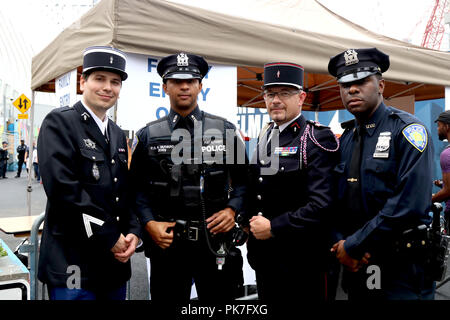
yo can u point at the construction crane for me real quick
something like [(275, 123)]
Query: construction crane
[(434, 31)]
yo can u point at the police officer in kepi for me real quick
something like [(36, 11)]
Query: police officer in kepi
[(89, 230), (384, 186), (189, 173), (290, 193)]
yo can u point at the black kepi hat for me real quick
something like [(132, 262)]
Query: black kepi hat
[(283, 74), (356, 64), (106, 59), (182, 66)]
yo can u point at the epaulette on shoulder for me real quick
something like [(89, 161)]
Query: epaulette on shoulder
[(213, 116), (63, 109), (156, 121), (402, 115), (317, 124), (348, 124)]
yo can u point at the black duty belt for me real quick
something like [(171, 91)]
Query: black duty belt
[(187, 229)]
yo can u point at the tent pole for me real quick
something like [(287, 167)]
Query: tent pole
[(30, 148), (447, 98)]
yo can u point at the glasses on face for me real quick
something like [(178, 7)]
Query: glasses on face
[(269, 96)]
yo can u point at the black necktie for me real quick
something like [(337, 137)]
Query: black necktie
[(106, 135), (354, 201), (270, 135)]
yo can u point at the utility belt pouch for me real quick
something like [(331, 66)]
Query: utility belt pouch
[(175, 174)]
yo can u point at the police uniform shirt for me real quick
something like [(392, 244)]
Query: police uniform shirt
[(395, 175)]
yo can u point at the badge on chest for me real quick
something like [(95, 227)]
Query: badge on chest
[(383, 145)]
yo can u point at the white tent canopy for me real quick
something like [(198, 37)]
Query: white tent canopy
[(301, 31)]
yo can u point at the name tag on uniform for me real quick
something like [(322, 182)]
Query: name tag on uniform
[(285, 151), (383, 144), (162, 148)]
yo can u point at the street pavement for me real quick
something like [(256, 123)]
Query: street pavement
[(14, 203)]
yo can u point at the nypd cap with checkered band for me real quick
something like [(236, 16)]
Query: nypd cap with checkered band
[(182, 66), (106, 59), (356, 64)]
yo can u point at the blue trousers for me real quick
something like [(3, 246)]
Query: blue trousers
[(60, 293), (400, 280)]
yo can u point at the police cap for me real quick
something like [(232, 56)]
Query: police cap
[(356, 64), (283, 74), (444, 117), (182, 66), (106, 59)]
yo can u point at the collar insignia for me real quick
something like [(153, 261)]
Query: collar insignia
[(85, 116)]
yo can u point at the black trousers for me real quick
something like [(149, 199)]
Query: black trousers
[(3, 165), (20, 165), (174, 269), (278, 283), (398, 279)]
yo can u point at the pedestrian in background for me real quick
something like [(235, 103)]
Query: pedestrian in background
[(4, 159), (443, 128), (22, 151)]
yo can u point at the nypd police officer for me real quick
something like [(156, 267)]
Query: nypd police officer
[(189, 190), (89, 232), (290, 193), (384, 186)]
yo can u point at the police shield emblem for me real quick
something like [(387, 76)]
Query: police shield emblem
[(89, 143), (382, 147), (95, 172), (417, 135), (351, 57)]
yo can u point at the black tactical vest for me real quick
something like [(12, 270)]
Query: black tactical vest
[(183, 167)]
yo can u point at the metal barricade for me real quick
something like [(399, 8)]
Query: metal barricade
[(32, 248)]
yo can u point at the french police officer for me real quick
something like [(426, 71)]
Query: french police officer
[(290, 193), (384, 186), (189, 190), (89, 232)]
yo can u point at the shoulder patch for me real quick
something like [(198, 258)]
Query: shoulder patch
[(316, 124), (417, 135)]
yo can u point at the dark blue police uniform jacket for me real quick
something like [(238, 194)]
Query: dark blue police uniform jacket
[(86, 183), (396, 182)]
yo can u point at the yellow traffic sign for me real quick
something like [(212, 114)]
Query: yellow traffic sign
[(22, 116), (22, 103)]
